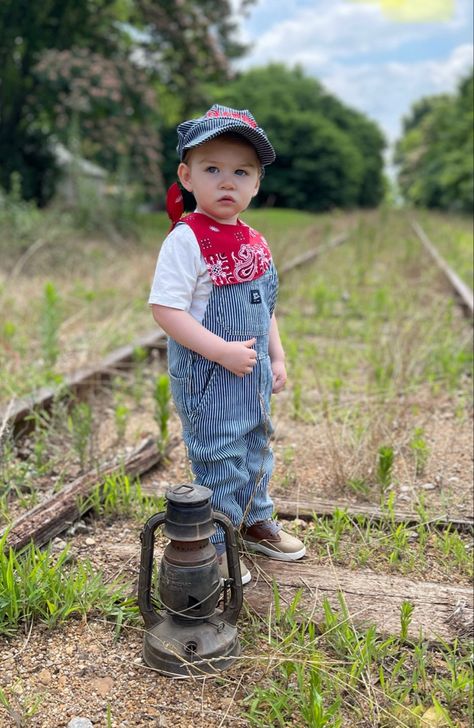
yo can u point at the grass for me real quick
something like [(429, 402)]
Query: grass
[(453, 237), (86, 271), (120, 497), (335, 674), (360, 365), (384, 545), (40, 586), (356, 355)]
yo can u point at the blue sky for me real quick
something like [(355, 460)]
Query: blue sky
[(372, 61)]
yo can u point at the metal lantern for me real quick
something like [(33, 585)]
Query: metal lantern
[(188, 635)]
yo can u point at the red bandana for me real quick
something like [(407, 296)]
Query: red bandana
[(233, 253)]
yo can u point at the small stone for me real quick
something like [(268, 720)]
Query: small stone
[(298, 523), (80, 723), (405, 488), (82, 527), (44, 676), (59, 544), (103, 685), (428, 486), (413, 535), (90, 542), (432, 718)]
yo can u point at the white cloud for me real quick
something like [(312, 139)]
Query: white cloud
[(387, 91), (328, 31), (360, 54)]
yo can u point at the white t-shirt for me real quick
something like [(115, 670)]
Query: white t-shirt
[(181, 277)]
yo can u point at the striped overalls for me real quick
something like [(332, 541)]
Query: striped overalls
[(225, 418)]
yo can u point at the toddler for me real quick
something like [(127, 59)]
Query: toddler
[(214, 294)]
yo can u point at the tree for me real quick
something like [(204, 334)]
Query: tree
[(191, 42), (328, 155), (84, 63), (434, 155), (27, 28)]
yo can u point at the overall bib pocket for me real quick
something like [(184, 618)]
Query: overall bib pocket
[(242, 309)]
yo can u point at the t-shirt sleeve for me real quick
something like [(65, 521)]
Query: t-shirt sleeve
[(177, 270)]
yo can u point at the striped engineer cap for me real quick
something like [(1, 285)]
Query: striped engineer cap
[(219, 120)]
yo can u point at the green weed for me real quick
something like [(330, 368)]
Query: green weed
[(420, 450), (162, 409), (118, 496), (338, 674), (406, 613), (50, 318), (37, 585), (357, 541), (18, 708), (385, 460), (79, 423)]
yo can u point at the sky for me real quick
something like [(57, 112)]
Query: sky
[(378, 56)]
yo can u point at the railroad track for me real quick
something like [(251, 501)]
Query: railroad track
[(16, 417), (49, 518), (15, 414), (461, 291)]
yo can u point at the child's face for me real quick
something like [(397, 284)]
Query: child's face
[(223, 175)]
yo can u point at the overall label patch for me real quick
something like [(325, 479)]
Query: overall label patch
[(255, 296)]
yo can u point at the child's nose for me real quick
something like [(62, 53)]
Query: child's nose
[(227, 181)]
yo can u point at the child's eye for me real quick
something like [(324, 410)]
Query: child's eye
[(212, 170), (240, 172)]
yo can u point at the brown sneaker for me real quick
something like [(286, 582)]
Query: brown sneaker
[(267, 537), (224, 570)]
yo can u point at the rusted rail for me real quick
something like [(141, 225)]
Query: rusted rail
[(311, 255), (46, 520), (463, 293), (14, 416)]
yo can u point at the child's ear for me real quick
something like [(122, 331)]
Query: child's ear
[(184, 176)]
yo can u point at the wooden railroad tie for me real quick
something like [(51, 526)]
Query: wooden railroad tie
[(441, 611)]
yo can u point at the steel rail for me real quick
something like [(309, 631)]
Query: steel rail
[(464, 294), (14, 416)]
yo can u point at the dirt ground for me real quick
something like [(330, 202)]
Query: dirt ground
[(82, 670)]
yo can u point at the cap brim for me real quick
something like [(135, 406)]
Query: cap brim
[(264, 149)]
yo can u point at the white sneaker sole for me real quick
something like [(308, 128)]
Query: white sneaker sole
[(245, 578), (278, 555)]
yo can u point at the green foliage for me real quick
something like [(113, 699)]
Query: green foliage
[(49, 325), (328, 155), (26, 30), (36, 585), (406, 613), (77, 58), (162, 408), (340, 674), (194, 41), (435, 153), (420, 450), (79, 424), (113, 106), (118, 496), (385, 465)]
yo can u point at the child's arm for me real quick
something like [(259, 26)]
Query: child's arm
[(277, 357), (236, 356)]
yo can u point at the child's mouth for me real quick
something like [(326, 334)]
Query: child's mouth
[(226, 198)]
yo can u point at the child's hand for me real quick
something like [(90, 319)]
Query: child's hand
[(238, 357), (279, 376)]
